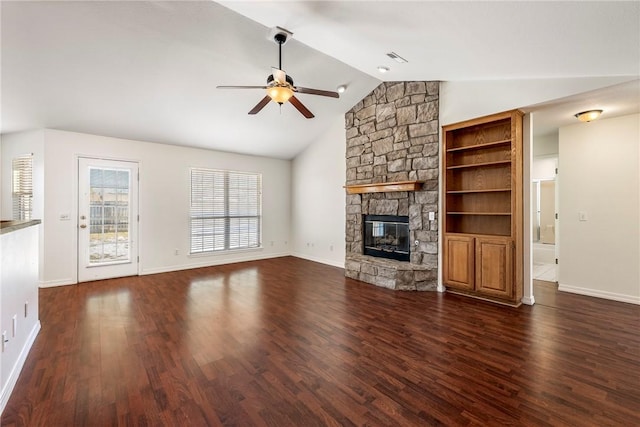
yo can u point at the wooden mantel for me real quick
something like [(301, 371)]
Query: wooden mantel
[(384, 187)]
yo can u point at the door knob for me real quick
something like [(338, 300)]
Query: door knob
[(83, 225)]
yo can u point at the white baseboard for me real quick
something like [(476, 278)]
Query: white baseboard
[(54, 283), (599, 294), (528, 300), (339, 264), (17, 368), (207, 261), (210, 262)]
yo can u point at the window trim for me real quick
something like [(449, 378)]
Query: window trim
[(207, 209), (22, 187)]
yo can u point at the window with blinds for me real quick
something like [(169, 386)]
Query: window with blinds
[(22, 187), (225, 210)]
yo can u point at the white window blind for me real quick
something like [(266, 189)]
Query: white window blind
[(22, 187), (225, 210)]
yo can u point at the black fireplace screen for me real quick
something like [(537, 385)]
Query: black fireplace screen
[(387, 236)]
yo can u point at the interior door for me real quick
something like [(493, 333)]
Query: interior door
[(107, 219)]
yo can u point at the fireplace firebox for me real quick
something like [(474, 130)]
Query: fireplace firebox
[(387, 236)]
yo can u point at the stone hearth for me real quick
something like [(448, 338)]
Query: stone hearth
[(392, 135)]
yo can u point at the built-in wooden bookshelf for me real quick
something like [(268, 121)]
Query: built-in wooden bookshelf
[(483, 206)]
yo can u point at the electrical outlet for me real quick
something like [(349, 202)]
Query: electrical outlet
[(432, 216), (176, 251)]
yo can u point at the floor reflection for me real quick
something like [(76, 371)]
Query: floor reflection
[(224, 310)]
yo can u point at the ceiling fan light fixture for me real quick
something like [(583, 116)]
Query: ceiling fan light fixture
[(587, 116), (279, 94)]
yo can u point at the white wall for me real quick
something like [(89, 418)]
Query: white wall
[(544, 167), (546, 145), (599, 175), (318, 211), (18, 144), (463, 100), (164, 202), (18, 285)]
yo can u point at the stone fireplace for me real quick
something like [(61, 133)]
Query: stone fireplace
[(392, 136)]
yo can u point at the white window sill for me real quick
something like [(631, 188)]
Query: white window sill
[(227, 252)]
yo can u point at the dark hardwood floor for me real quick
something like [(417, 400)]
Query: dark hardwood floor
[(290, 342)]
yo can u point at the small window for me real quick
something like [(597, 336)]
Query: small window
[(22, 187), (225, 210)]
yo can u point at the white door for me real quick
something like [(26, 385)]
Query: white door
[(107, 219)]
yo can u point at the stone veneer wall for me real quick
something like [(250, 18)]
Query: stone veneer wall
[(392, 135)]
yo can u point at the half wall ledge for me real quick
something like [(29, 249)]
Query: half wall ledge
[(384, 187)]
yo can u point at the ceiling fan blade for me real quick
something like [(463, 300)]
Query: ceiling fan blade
[(279, 75), (304, 110), (241, 87), (316, 92), (260, 105)]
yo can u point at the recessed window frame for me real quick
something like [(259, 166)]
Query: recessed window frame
[(22, 187), (225, 211)]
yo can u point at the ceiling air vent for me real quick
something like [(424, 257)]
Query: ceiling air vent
[(396, 57)]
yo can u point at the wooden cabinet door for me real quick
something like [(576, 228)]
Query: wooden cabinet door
[(458, 262), (494, 267)]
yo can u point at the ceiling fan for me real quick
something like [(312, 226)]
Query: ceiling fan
[(280, 87)]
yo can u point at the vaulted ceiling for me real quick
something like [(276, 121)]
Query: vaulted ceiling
[(149, 70)]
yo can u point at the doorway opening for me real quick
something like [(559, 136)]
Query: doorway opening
[(544, 200)]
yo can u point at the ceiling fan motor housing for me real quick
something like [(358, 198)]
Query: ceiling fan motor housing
[(270, 79), (280, 35)]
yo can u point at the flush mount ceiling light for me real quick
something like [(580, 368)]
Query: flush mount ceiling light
[(587, 116), (383, 69), (341, 88)]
